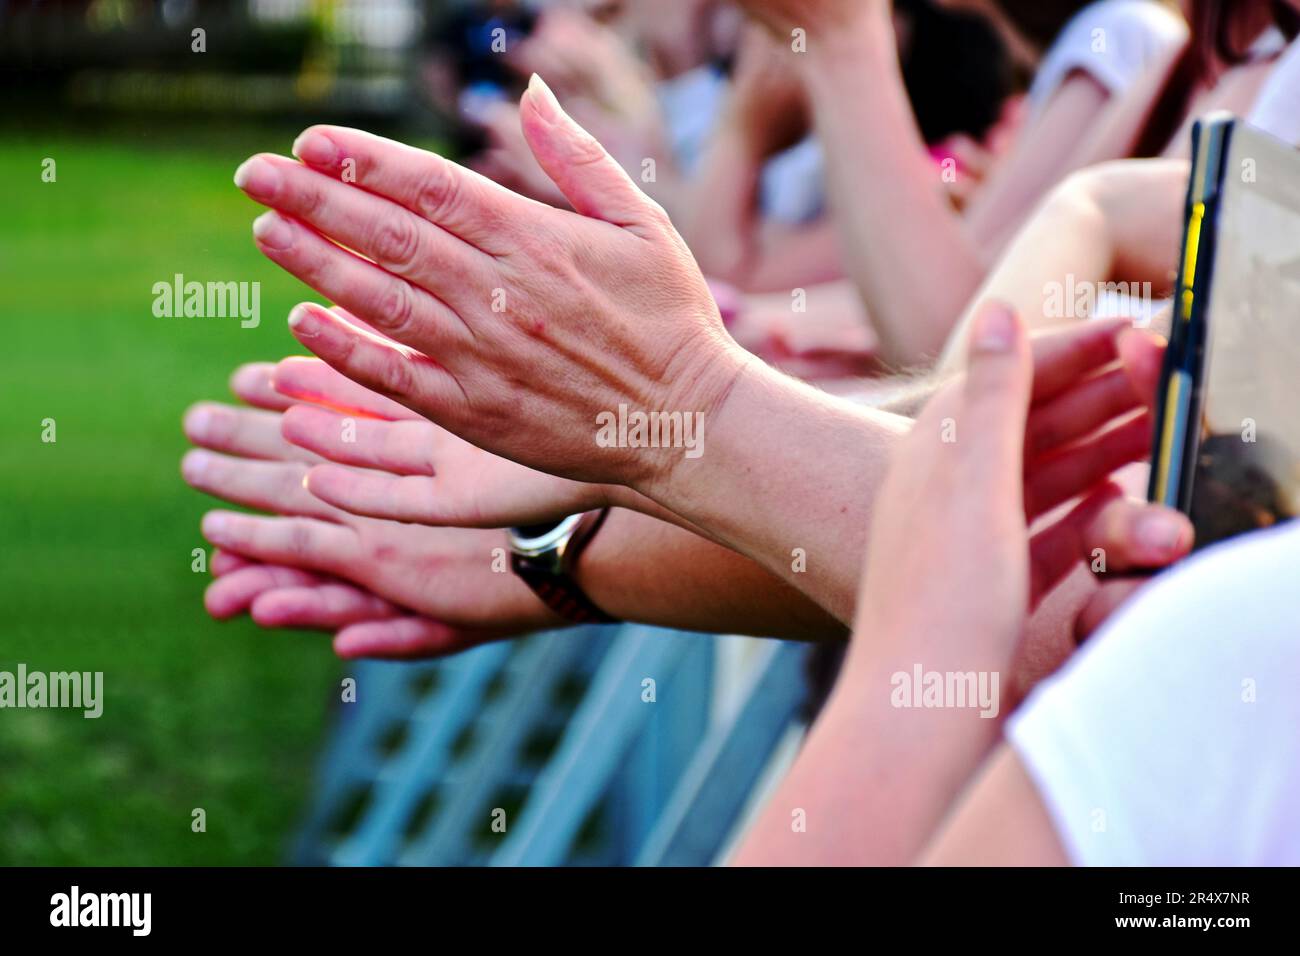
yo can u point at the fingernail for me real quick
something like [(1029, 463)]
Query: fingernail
[(258, 178), (1160, 531), (273, 231), (302, 322), (215, 526), (547, 105), (195, 464), (995, 329), (198, 422), (315, 148), (248, 378)]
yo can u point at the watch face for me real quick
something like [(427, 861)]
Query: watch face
[(529, 532), (533, 540)]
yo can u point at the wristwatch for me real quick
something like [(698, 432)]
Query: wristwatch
[(544, 556)]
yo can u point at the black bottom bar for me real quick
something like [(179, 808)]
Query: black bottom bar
[(441, 906)]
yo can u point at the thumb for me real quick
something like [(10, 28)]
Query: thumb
[(588, 176), (995, 398)]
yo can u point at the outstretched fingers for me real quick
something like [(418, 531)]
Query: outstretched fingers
[(251, 383), (403, 448), (305, 543), (275, 486), (408, 638), (406, 311), (387, 233), (1112, 533), (592, 180), (303, 378), (324, 606), (460, 201), (408, 377), (248, 432), (372, 494), (234, 591)]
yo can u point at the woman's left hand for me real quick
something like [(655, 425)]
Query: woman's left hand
[(952, 569)]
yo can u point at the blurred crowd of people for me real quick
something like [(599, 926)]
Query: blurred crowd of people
[(825, 228)]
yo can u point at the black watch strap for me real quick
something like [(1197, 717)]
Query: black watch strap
[(555, 585), (560, 593)]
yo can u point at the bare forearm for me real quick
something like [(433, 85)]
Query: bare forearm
[(721, 220), (900, 766), (717, 209), (903, 243), (1066, 238), (788, 257), (1088, 231), (1043, 155), (787, 477), (898, 770), (642, 569)]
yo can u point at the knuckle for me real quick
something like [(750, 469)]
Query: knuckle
[(311, 264), (398, 374), (310, 200), (439, 197), (298, 540), (397, 309), (586, 151), (396, 242), (656, 213)]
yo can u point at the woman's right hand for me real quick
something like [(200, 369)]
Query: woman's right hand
[(407, 468), (363, 623), (457, 580)]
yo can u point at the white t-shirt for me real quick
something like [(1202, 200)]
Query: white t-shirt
[(1113, 41), (1173, 736), (1277, 108)]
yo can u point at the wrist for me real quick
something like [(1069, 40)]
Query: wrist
[(705, 399), (862, 31), (545, 558), (521, 608), (622, 496)]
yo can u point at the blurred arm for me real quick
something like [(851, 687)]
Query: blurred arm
[(913, 258), (1117, 222)]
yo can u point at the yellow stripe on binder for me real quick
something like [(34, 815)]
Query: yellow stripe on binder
[(1189, 259)]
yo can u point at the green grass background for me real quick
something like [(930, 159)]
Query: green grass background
[(96, 530)]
